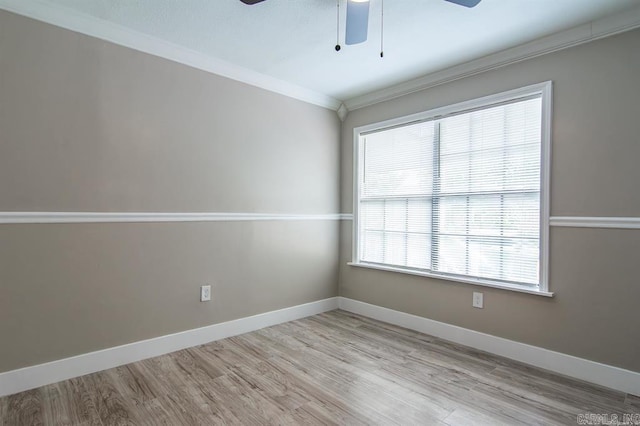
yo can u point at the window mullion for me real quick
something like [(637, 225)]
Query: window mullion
[(384, 231), (406, 232), (504, 161), (435, 201), (467, 212)]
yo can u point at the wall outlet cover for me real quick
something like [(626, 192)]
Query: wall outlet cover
[(205, 293), (478, 300)]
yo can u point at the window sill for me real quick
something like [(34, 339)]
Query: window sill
[(474, 281)]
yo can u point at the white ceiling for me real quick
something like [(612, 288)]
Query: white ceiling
[(293, 40)]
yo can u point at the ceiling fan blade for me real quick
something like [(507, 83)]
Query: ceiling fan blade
[(465, 3), (357, 21), (251, 1)]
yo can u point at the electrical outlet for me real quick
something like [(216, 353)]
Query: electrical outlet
[(205, 293), (478, 300)]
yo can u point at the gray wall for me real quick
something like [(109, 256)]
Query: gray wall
[(90, 126), (595, 149)]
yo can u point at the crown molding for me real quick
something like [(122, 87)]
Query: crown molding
[(342, 112), (120, 35), (591, 31)]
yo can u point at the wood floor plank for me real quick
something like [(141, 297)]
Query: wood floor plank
[(152, 413), (316, 390), (558, 401), (300, 417), (327, 413), (365, 394), (449, 358), (271, 383), (219, 404), (633, 401), (55, 407), (132, 382), (387, 335), (522, 406), (251, 397), (573, 393), (349, 347), (373, 341), (164, 376), (225, 355), (471, 416), (3, 411), (351, 353), (233, 399), (182, 411), (434, 387), (112, 408), (80, 407), (397, 398), (332, 368), (25, 408), (192, 362)]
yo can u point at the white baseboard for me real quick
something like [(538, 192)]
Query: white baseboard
[(27, 378), (601, 374), (15, 381)]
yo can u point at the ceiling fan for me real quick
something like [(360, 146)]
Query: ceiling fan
[(358, 18)]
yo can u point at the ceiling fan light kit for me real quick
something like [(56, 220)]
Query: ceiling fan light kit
[(357, 24), (465, 3), (357, 21)]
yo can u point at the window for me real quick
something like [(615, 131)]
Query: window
[(460, 193)]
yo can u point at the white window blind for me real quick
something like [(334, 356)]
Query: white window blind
[(457, 195)]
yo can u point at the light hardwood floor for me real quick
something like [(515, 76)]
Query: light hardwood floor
[(333, 368)]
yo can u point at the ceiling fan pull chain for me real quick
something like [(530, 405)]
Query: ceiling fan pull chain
[(382, 29), (338, 26)]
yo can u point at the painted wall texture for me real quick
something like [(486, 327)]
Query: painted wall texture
[(90, 126)]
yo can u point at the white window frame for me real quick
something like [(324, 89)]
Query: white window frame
[(545, 91)]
